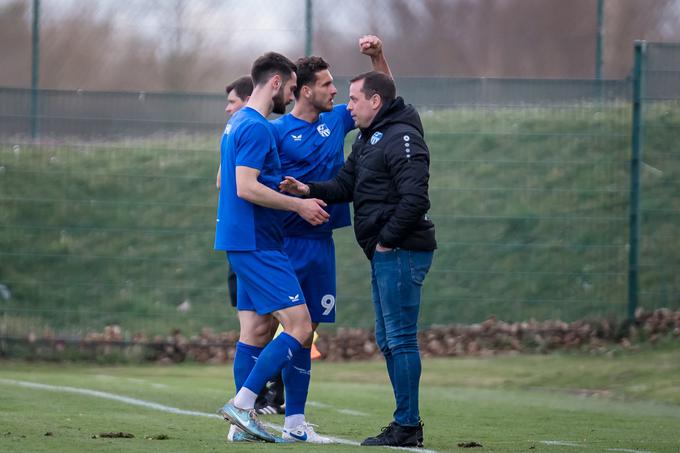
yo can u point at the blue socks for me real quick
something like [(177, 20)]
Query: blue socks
[(296, 377), (272, 359), (245, 359)]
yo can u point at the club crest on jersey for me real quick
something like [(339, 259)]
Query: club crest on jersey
[(375, 138), (296, 138), (323, 130)]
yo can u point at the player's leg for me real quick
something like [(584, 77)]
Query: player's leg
[(254, 335), (303, 255), (297, 331), (250, 349), (296, 375), (270, 283), (270, 361), (314, 264), (271, 398), (232, 285), (273, 288)]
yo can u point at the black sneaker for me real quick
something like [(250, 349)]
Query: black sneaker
[(271, 400), (265, 408), (396, 435)]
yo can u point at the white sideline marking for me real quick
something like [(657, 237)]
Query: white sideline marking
[(562, 443), (342, 411), (110, 396), (628, 450), (351, 412), (106, 377), (164, 408), (566, 443), (318, 404)]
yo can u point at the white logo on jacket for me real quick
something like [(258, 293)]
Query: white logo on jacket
[(375, 138), (296, 138)]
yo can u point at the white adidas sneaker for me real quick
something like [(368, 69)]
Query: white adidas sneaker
[(304, 432)]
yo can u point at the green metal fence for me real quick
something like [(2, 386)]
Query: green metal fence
[(659, 198), (108, 218)]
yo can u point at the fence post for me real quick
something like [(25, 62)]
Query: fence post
[(599, 40), (635, 161), (35, 69), (308, 28)]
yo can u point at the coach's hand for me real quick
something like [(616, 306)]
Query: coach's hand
[(380, 248), (311, 209), (294, 187)]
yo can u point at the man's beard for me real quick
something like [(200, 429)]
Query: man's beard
[(279, 104)]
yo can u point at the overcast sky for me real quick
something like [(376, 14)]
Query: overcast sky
[(275, 24), (208, 41), (258, 24)]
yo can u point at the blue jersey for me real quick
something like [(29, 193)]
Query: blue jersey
[(248, 141), (314, 152)]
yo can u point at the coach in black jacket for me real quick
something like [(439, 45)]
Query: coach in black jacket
[(386, 177)]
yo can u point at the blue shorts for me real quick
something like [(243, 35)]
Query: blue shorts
[(266, 281), (314, 262)]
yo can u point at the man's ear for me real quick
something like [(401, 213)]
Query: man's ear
[(276, 81), (306, 91), (376, 100)]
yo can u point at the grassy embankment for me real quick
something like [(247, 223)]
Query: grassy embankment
[(531, 208)]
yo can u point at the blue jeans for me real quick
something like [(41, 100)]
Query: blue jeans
[(397, 278)]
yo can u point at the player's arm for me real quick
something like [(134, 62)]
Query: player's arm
[(218, 181), (250, 189), (372, 46)]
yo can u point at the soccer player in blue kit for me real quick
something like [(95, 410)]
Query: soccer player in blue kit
[(249, 227), (310, 141)]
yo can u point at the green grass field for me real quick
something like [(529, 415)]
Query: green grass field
[(559, 403)]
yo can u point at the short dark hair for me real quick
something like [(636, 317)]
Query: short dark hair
[(243, 87), (269, 64), (377, 83), (307, 67)]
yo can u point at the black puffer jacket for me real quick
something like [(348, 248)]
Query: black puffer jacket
[(386, 176)]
